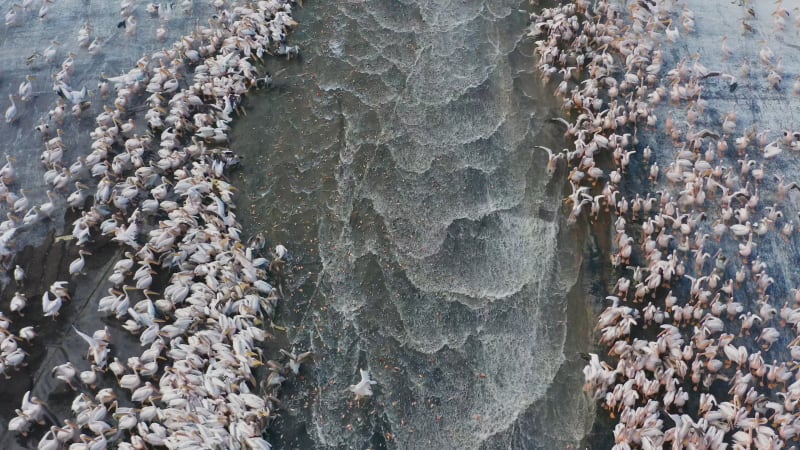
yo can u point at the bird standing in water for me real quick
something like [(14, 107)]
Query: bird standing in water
[(19, 275), (12, 113), (364, 387)]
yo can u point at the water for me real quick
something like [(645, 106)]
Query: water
[(395, 159)]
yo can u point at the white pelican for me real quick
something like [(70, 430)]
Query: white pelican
[(65, 372), (27, 333), (19, 274), (50, 308), (26, 88), (74, 97), (144, 393), (49, 440), (18, 303), (12, 114), (89, 377), (295, 360), (20, 423), (84, 35), (772, 149), (50, 52), (364, 387), (130, 381)]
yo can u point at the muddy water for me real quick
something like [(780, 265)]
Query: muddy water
[(395, 159)]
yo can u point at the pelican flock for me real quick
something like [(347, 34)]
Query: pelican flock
[(158, 158), (702, 339), (701, 344)]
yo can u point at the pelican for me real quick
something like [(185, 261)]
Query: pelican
[(84, 35), (98, 349), (769, 335), (50, 307), (12, 114), (295, 360), (144, 393), (364, 387), (26, 88), (12, 17), (19, 274), (44, 9), (74, 97), (740, 230), (50, 52), (21, 204), (78, 197), (59, 289), (772, 149), (130, 25), (76, 266), (27, 333), (126, 418), (16, 358), (20, 423), (672, 33), (49, 441), (774, 79), (130, 381), (48, 208), (18, 303), (89, 377), (65, 372), (552, 159)]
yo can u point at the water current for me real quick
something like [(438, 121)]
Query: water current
[(395, 159)]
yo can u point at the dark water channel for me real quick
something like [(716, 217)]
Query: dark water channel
[(395, 159)]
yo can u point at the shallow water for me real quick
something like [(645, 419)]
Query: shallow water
[(395, 160)]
